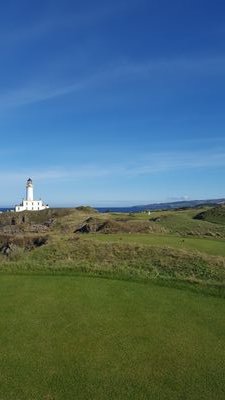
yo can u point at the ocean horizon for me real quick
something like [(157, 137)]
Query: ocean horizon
[(147, 207)]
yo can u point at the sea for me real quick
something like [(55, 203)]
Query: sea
[(4, 209)]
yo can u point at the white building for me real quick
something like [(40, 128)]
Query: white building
[(29, 204)]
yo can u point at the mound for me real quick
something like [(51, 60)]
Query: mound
[(93, 225), (215, 215), (90, 225), (86, 209)]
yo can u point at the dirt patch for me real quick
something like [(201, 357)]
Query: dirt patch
[(10, 244)]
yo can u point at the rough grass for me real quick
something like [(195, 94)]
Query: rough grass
[(96, 225), (156, 255), (77, 338), (127, 260), (208, 246), (184, 223), (215, 215)]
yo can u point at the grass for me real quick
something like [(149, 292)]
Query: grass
[(67, 334), (208, 246), (215, 215), (184, 223), (180, 222), (87, 338), (170, 249), (123, 260), (125, 256)]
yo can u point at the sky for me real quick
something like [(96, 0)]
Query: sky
[(112, 103)]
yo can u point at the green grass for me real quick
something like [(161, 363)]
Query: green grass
[(183, 223), (70, 336), (86, 338), (180, 222), (215, 215), (209, 246), (119, 259)]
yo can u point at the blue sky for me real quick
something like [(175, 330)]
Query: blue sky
[(112, 103)]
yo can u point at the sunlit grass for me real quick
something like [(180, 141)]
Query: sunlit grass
[(86, 338), (209, 246)]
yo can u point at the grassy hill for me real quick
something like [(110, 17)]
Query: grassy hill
[(166, 245), (215, 215)]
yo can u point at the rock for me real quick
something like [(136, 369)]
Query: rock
[(38, 228), (9, 248)]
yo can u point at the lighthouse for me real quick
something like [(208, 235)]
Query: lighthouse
[(29, 204), (29, 190)]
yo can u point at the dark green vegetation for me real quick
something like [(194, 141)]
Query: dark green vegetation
[(84, 338), (154, 330)]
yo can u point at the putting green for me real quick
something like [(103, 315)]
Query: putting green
[(67, 337)]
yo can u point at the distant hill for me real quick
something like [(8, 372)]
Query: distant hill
[(180, 204), (215, 214), (165, 206)]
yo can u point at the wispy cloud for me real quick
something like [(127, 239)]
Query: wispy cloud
[(166, 161), (55, 173), (54, 22), (154, 163), (150, 70)]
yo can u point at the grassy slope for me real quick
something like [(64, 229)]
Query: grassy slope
[(85, 338), (123, 260), (183, 223), (215, 215), (209, 246)]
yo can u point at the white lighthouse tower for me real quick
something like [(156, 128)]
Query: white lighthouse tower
[(29, 204), (29, 190)]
